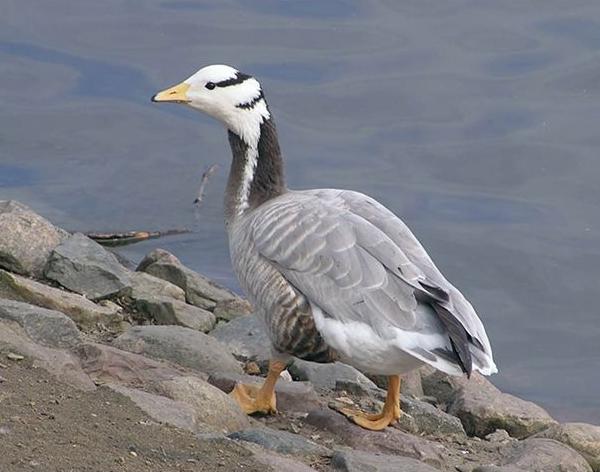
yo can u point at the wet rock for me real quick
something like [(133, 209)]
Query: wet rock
[(58, 362), (584, 438), (546, 455), (199, 290), (297, 397), (86, 314), (483, 408), (48, 327), (168, 311), (427, 419), (246, 338), (85, 267), (389, 441), (144, 285), (106, 364), (183, 346), (211, 406), (325, 376), (358, 461), (160, 408), (26, 239), (227, 310), (280, 441)]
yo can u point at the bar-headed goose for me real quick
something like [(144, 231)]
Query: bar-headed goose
[(333, 274)]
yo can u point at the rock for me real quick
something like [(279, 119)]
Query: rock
[(280, 441), (546, 455), (106, 364), (500, 435), (168, 311), (359, 461), (428, 419), (232, 308), (246, 338), (389, 441), (26, 239), (47, 327), (482, 409), (144, 285), (211, 406), (183, 346), (86, 314), (444, 387), (325, 376), (199, 290), (277, 462), (411, 383), (297, 397), (159, 408), (584, 438), (58, 362), (496, 468), (85, 267)]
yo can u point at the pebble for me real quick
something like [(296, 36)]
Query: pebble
[(15, 357)]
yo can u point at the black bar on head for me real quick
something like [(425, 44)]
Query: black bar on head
[(238, 79)]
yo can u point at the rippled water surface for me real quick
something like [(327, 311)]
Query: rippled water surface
[(476, 121)]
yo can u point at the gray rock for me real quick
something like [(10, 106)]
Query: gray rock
[(584, 438), (47, 327), (411, 383), (26, 239), (213, 409), (498, 436), (389, 441), (427, 419), (359, 461), (109, 365), (444, 387), (297, 397), (326, 376), (85, 267), (182, 346), (482, 409), (280, 441), (160, 408), (168, 311), (86, 314), (546, 455), (277, 462), (58, 362), (227, 310), (199, 290), (496, 468), (245, 337), (144, 285)]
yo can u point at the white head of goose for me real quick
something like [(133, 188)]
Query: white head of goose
[(333, 274)]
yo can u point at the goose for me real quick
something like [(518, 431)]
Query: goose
[(333, 274)]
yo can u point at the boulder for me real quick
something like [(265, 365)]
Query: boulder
[(280, 441), (47, 327), (229, 309), (199, 290), (58, 362), (482, 409), (26, 239), (424, 418), (183, 346), (213, 409), (144, 285), (444, 387), (330, 376), (85, 267), (109, 365), (359, 461), (277, 462), (168, 311), (546, 455), (246, 338), (160, 408), (85, 313), (584, 438)]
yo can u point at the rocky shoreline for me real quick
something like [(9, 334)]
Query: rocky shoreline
[(174, 343)]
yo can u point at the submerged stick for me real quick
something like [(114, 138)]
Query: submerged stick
[(131, 237), (203, 181)]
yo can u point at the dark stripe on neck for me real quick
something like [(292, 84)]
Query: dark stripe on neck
[(238, 79), (249, 105)]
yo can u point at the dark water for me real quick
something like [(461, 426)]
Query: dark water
[(477, 121)]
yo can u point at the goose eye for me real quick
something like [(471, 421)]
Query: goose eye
[(210, 85)]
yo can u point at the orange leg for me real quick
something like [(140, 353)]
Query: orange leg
[(253, 399), (390, 413)]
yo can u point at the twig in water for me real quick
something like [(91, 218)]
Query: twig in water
[(130, 237), (205, 177)]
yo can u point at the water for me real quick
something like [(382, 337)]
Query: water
[(477, 121)]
